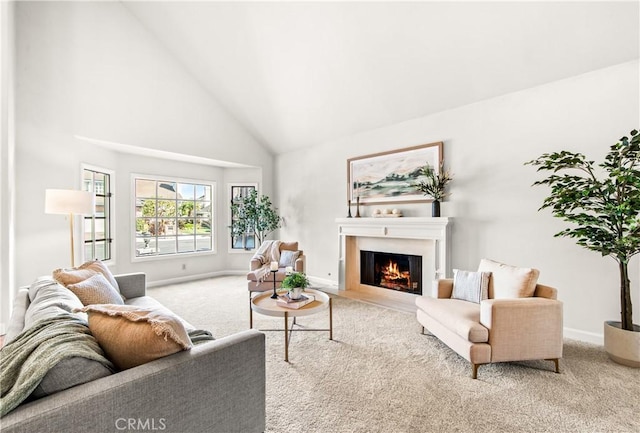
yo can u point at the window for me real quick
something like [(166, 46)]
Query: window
[(172, 217), (97, 227), (243, 239)]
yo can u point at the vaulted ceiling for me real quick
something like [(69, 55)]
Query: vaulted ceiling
[(296, 74)]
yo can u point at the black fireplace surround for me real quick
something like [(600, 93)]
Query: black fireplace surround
[(399, 272)]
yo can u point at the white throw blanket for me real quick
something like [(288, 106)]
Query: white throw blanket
[(268, 252)]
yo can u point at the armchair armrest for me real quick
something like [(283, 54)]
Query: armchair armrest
[(523, 328), (299, 265), (132, 285), (255, 264), (442, 288)]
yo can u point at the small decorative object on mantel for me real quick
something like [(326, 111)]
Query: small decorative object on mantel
[(358, 207), (434, 185), (387, 213), (349, 207)]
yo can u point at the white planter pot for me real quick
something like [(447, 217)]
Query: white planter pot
[(622, 346), (295, 293)]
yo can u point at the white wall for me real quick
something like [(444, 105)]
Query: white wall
[(493, 204), (7, 147), (91, 70)]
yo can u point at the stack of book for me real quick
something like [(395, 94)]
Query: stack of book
[(287, 302)]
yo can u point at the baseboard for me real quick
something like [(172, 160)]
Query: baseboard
[(587, 337), (192, 277), (327, 285)]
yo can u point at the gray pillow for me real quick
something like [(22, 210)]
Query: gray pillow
[(288, 258), (70, 372), (50, 299), (470, 286)]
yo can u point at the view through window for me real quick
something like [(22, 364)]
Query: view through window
[(97, 227), (172, 217)]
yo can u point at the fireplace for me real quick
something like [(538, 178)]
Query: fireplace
[(399, 272)]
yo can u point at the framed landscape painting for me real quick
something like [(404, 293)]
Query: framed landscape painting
[(388, 177)]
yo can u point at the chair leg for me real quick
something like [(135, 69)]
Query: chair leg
[(250, 313), (556, 361), (422, 332), (474, 371)]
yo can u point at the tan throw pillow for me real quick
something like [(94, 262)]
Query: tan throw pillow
[(100, 267), (470, 286), (96, 290), (132, 336), (508, 282), (288, 246), (84, 271), (72, 276)]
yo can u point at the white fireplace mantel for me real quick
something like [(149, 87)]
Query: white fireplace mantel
[(432, 229)]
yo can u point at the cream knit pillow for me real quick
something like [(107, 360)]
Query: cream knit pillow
[(508, 281), (96, 290)]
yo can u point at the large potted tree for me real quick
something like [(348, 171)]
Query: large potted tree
[(603, 204), (255, 215)]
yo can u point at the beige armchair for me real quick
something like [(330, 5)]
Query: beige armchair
[(520, 320), (260, 281)]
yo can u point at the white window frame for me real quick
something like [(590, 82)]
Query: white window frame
[(112, 212), (214, 217)]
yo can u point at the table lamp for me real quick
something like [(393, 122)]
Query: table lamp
[(69, 202)]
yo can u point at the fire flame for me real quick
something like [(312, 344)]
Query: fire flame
[(393, 273)]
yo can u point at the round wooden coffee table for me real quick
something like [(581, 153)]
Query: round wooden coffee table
[(264, 304)]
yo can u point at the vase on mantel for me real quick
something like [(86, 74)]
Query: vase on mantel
[(435, 208)]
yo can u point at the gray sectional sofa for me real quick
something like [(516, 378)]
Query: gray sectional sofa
[(217, 386)]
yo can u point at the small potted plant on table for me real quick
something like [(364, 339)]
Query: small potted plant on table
[(295, 283)]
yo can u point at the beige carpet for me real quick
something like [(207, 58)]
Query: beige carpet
[(381, 375)]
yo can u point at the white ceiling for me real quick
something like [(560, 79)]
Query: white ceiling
[(297, 74)]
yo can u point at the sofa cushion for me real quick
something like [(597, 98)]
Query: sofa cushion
[(96, 290), (508, 282), (131, 336), (288, 258), (461, 317), (470, 286), (70, 372)]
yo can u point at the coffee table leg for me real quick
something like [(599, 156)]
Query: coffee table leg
[(330, 320), (286, 336)]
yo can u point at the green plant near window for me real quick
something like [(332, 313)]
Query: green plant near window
[(254, 215), (605, 211), (435, 182), (295, 279)]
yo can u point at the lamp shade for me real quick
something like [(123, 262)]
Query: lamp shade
[(67, 201)]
